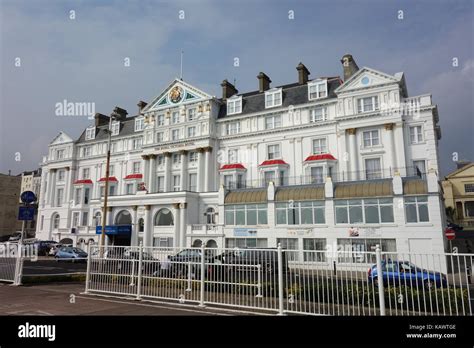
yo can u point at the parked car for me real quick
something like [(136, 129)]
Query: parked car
[(398, 273), (70, 253), (243, 262), (15, 237), (186, 260), (44, 246), (150, 265), (55, 248)]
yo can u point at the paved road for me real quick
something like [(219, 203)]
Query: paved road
[(51, 266), (55, 299)]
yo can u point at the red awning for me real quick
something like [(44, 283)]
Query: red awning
[(83, 182), (272, 162), (111, 178), (133, 176), (321, 157), (232, 166)]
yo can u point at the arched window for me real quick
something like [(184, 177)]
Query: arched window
[(164, 217), (123, 218), (210, 216), (98, 218), (56, 219), (141, 225)]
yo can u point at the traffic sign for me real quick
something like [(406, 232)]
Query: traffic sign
[(28, 197), (26, 213), (450, 233)]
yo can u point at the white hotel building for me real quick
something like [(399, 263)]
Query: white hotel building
[(311, 164)]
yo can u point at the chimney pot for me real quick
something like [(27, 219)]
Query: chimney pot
[(303, 73), (119, 113), (141, 105), (349, 65), (228, 89), (263, 82)]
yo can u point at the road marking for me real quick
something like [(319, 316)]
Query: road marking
[(151, 305)]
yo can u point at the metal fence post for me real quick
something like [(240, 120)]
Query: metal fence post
[(203, 275), (378, 258), (280, 280), (139, 280), (88, 269), (18, 266)]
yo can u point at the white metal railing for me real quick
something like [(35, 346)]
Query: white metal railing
[(11, 262), (288, 281)]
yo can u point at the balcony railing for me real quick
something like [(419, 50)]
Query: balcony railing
[(343, 176)]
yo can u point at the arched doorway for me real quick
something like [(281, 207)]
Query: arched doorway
[(211, 243), (164, 217), (197, 243), (123, 218), (66, 241)]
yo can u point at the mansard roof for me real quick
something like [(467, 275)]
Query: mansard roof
[(127, 127), (292, 94)]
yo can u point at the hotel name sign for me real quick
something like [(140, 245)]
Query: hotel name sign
[(174, 146)]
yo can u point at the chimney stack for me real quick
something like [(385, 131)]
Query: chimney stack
[(101, 119), (303, 73), (349, 65), (228, 89), (263, 82), (119, 113), (141, 105)]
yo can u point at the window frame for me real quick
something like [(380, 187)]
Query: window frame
[(371, 138), (234, 105), (416, 134), (275, 121), (271, 101), (361, 105), (278, 145), (115, 128), (325, 139), (90, 133), (139, 123), (316, 84)]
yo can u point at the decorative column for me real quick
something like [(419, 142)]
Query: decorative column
[(182, 224), (199, 169), (67, 186), (134, 239), (145, 170), (393, 150), (152, 174), (353, 154), (206, 168), (176, 231), (184, 166), (167, 171), (148, 228), (42, 196), (52, 186)]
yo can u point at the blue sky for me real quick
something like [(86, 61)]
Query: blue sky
[(82, 59)]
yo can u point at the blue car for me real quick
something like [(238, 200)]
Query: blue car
[(398, 273), (72, 254)]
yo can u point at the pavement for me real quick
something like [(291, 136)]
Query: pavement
[(66, 299)]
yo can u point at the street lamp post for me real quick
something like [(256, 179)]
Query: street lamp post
[(106, 193)]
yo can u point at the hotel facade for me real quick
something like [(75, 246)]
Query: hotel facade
[(318, 163)]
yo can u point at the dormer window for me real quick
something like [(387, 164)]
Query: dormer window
[(234, 106), (273, 98), (115, 128), (90, 133), (139, 124), (317, 89)]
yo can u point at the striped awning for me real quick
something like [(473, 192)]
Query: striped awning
[(246, 196), (299, 193), (415, 187), (364, 189)]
